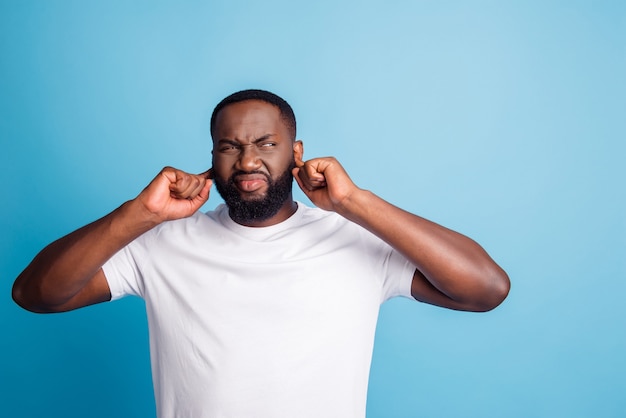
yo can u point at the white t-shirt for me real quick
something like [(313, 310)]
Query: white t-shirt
[(260, 322)]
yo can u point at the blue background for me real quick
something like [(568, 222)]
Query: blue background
[(503, 120)]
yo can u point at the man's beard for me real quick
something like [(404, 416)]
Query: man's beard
[(257, 209)]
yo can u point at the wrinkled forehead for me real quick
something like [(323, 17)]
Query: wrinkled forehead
[(249, 118)]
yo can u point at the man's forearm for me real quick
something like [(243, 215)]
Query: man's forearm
[(453, 263), (64, 267)]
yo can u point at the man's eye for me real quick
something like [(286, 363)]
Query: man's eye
[(268, 145), (229, 148)]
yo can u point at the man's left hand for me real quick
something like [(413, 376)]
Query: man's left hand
[(325, 182)]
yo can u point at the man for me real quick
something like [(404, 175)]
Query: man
[(263, 307)]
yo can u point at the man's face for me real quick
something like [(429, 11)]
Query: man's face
[(253, 155)]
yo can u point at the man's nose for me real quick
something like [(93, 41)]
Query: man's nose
[(249, 158)]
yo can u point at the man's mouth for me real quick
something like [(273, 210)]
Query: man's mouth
[(250, 182)]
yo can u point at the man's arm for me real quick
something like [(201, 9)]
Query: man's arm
[(453, 271), (67, 274)]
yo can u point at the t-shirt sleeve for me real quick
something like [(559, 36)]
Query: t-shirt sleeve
[(123, 273), (395, 270), (398, 275)]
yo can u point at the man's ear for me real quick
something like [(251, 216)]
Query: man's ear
[(298, 152)]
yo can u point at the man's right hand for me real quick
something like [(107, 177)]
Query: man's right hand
[(68, 274), (175, 194)]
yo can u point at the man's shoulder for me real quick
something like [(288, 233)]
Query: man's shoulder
[(318, 222), (199, 220), (212, 214), (314, 214)]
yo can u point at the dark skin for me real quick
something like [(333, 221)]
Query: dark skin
[(246, 141), (452, 270)]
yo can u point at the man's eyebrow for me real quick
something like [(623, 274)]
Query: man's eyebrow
[(227, 141), (237, 142), (263, 138)]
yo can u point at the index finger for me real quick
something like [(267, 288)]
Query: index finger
[(207, 174)]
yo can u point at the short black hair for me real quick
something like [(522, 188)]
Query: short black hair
[(286, 112)]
